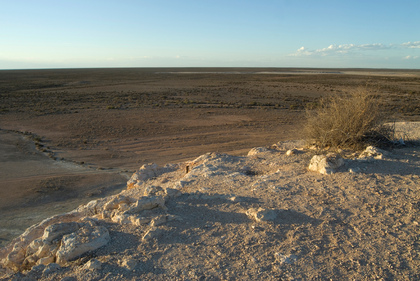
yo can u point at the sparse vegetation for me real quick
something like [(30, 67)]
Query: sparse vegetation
[(347, 121)]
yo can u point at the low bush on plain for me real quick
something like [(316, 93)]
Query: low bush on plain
[(347, 121)]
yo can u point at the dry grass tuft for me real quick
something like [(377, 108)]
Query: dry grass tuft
[(347, 121)]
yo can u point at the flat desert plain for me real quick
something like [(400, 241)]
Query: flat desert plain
[(69, 136)]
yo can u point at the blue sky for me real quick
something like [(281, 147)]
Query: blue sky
[(204, 33)]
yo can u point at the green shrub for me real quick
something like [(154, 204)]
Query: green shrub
[(346, 121)]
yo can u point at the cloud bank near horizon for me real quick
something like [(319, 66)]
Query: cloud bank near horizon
[(344, 49)]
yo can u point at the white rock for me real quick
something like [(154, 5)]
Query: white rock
[(93, 264), (288, 259), (152, 190), (46, 260), (148, 203), (325, 164), (121, 218), (291, 152), (257, 150), (139, 221), (145, 172), (88, 238), (372, 152), (56, 231), (116, 201), (261, 214)]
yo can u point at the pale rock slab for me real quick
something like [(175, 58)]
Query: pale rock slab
[(261, 214), (147, 203), (56, 231), (372, 152), (93, 264), (149, 171), (88, 238), (326, 164), (257, 150)]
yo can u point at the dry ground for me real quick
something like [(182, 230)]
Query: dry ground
[(69, 136)]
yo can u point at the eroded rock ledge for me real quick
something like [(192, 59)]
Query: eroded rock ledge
[(144, 204)]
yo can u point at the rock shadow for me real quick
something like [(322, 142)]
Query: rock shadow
[(213, 213)]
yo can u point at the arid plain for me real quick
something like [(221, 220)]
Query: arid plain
[(69, 136)]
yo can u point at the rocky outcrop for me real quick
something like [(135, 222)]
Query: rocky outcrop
[(64, 238), (326, 164), (60, 242)]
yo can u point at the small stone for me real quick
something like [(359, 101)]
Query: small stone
[(372, 152), (261, 214), (151, 233), (129, 264), (46, 260), (139, 221), (291, 152), (326, 164), (52, 267), (354, 170), (288, 259), (148, 203), (257, 150), (93, 264), (158, 220)]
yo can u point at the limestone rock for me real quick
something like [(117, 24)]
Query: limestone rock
[(257, 150), (326, 164), (291, 152), (172, 192), (139, 221), (116, 201), (149, 171), (88, 238), (145, 172), (56, 231), (50, 268), (261, 214), (372, 152), (93, 264), (288, 259), (147, 203)]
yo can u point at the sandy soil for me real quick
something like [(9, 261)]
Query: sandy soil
[(74, 135)]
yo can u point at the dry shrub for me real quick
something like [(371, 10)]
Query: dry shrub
[(347, 121)]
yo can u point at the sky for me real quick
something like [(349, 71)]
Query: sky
[(209, 33)]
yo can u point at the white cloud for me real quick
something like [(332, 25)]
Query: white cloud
[(340, 49), (302, 51), (412, 45), (411, 57)]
